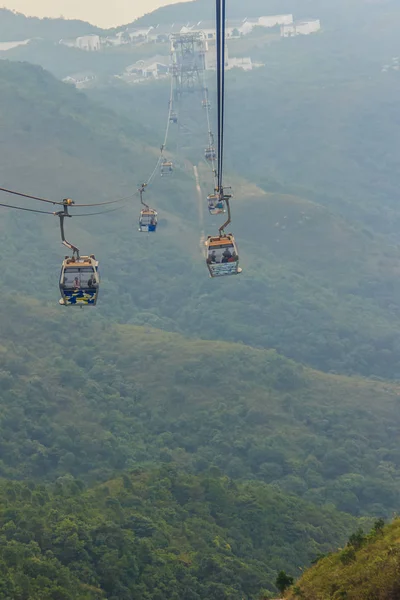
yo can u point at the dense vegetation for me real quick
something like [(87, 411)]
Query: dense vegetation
[(367, 568), (155, 535), (88, 399)]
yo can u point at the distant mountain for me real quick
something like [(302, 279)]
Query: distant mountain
[(16, 26), (333, 10)]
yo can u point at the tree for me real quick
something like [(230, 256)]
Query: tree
[(283, 581)]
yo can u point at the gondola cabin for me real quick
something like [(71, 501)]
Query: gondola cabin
[(222, 256), (173, 118), (167, 168), (206, 104), (148, 220), (79, 281), (216, 204), (209, 154)]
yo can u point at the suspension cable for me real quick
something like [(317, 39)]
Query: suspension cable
[(46, 212), (101, 212), (55, 203), (220, 48), (43, 212), (28, 196), (211, 146), (164, 144)]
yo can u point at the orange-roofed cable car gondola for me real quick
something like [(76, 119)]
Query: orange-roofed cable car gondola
[(222, 256)]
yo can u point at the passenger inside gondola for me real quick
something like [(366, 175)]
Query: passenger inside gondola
[(222, 254), (79, 277)]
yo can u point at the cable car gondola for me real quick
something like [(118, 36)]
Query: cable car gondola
[(210, 154), (216, 204), (206, 104), (167, 167), (148, 220), (173, 118), (79, 281), (222, 255)]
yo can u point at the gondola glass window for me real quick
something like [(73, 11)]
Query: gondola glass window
[(79, 278), (222, 257)]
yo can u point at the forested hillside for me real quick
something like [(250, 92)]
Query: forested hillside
[(177, 441), (367, 567), (315, 287), (81, 404), (154, 535)]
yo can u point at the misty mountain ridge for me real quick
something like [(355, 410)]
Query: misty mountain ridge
[(15, 26)]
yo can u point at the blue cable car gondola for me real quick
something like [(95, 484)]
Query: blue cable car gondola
[(148, 220), (79, 281)]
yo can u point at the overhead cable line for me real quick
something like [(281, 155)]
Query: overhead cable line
[(28, 196), (164, 144), (55, 203), (211, 148), (43, 212), (220, 47)]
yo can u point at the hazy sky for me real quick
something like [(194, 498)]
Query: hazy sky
[(105, 13)]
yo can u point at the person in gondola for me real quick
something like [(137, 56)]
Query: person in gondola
[(226, 255), (91, 282), (77, 283)]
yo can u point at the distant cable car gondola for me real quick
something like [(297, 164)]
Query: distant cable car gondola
[(79, 281), (173, 118), (206, 104), (210, 154), (148, 216), (222, 255), (148, 220), (167, 167), (216, 204)]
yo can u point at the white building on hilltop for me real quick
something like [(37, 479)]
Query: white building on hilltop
[(238, 28), (80, 80), (89, 42), (275, 20), (240, 63), (301, 28)]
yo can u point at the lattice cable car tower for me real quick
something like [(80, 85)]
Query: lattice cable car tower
[(188, 61)]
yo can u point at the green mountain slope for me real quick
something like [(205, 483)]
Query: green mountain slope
[(321, 289), (366, 568), (86, 398), (153, 535)]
